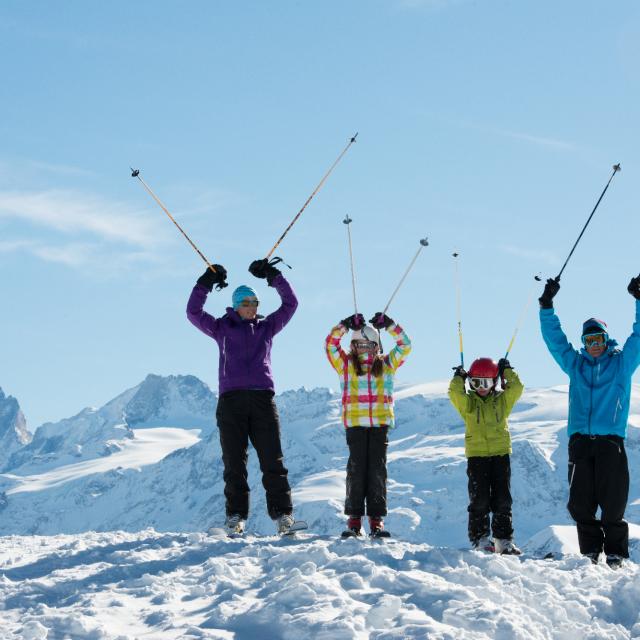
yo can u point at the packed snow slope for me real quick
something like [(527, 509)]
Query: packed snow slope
[(111, 541)]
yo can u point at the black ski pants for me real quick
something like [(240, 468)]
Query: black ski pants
[(367, 471), (599, 477), (245, 416), (489, 492)]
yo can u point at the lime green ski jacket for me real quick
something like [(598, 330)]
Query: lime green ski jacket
[(485, 419)]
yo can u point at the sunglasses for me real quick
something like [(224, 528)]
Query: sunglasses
[(481, 383), (594, 339), (249, 303), (365, 344)]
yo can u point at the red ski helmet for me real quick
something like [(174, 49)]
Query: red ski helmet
[(483, 368)]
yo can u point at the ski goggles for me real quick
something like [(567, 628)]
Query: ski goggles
[(481, 383), (365, 344), (595, 339), (249, 303)]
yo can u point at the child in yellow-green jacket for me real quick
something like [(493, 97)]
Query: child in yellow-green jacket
[(485, 410), (366, 381)]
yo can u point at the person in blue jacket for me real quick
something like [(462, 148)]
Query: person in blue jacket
[(599, 395)]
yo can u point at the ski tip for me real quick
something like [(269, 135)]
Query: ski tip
[(537, 278), (134, 172)]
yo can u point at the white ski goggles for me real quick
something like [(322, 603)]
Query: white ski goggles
[(481, 383)]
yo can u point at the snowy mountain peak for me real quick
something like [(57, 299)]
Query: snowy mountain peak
[(183, 401), (13, 427)]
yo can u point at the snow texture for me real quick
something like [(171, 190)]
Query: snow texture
[(114, 546)]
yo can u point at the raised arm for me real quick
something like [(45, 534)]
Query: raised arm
[(631, 349), (399, 353), (197, 315), (281, 316), (458, 394), (556, 340), (513, 389), (336, 354)]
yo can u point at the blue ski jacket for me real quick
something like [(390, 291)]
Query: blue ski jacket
[(599, 388)]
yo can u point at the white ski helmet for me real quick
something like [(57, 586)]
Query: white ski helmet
[(366, 333)]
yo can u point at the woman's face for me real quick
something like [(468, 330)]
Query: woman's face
[(248, 308)]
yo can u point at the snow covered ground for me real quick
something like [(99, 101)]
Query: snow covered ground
[(174, 585), (111, 543)]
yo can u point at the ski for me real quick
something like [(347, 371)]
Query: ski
[(298, 525)]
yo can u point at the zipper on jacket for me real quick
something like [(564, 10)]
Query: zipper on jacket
[(590, 402), (224, 357)]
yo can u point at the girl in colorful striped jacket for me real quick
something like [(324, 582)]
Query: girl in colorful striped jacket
[(366, 382)]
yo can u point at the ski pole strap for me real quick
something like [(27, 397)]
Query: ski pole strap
[(304, 206)]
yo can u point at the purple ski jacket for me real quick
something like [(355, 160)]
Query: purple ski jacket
[(245, 345)]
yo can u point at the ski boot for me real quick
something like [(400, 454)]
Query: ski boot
[(234, 525), (354, 527), (376, 528), (483, 544), (506, 547), (614, 561), (593, 556)]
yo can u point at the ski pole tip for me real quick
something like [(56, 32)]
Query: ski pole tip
[(353, 138), (455, 255), (134, 172), (616, 168), (424, 242), (347, 220), (537, 278)]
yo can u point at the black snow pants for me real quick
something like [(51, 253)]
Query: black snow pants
[(244, 416), (489, 492), (599, 477), (367, 471)]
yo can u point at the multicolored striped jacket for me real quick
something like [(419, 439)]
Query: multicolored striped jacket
[(367, 401)]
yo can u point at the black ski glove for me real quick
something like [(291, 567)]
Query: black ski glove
[(550, 289), (356, 321), (634, 287), (265, 269), (218, 278), (460, 372), (503, 364), (381, 321)]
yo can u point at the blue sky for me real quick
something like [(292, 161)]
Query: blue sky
[(491, 128)]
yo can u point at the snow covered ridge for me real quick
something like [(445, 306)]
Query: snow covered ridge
[(178, 401)]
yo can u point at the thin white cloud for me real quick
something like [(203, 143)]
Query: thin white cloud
[(72, 212), (561, 145)]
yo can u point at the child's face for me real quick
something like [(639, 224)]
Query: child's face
[(483, 392)]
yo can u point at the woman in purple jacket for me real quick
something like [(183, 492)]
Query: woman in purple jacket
[(246, 409)]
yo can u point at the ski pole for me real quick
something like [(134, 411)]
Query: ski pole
[(304, 206), (347, 221), (423, 243), (457, 285), (616, 168), (135, 173), (522, 315)]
